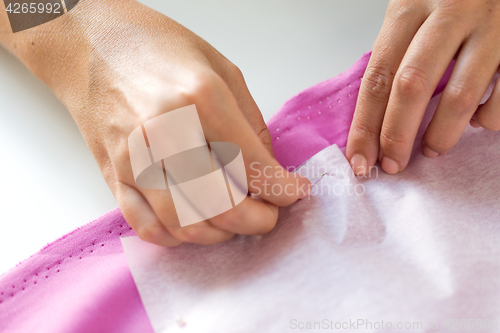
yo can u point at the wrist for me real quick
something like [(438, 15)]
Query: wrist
[(60, 51)]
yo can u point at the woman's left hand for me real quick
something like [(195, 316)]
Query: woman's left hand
[(417, 42)]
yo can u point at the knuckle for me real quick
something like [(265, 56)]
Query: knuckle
[(363, 130), (146, 232), (448, 8), (462, 98), (411, 81), (439, 144), (264, 135), (378, 80), (392, 140), (191, 234), (199, 86), (229, 219), (401, 11), (121, 154), (142, 117), (452, 10), (235, 72), (229, 71)]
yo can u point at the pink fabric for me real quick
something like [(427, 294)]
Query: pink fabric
[(81, 283), (320, 116)]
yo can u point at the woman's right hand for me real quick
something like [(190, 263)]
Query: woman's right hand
[(117, 64)]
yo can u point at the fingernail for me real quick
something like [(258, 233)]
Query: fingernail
[(429, 152), (474, 123), (306, 193), (359, 165), (390, 166)]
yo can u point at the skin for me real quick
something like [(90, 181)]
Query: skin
[(115, 65), (418, 40)]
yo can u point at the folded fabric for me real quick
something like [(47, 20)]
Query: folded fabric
[(80, 283), (321, 116)]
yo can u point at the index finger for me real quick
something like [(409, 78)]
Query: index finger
[(265, 176), (401, 23)]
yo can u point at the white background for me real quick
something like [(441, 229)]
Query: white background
[(49, 181)]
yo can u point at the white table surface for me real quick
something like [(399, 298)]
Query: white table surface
[(50, 183)]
